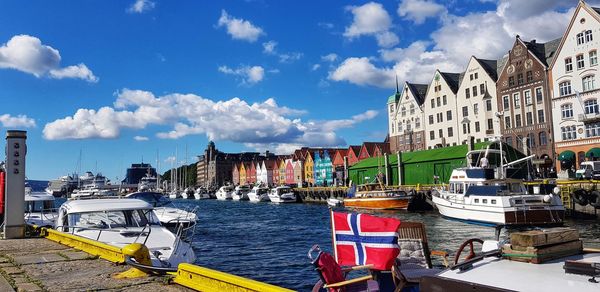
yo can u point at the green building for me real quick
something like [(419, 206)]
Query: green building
[(421, 167)]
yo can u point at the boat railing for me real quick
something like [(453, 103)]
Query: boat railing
[(81, 228)]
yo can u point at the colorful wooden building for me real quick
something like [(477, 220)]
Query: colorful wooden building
[(352, 154), (282, 168), (236, 174), (251, 173), (308, 168), (339, 166), (323, 170), (289, 172), (243, 173), (298, 173)]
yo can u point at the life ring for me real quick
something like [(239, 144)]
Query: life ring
[(594, 198), (580, 197)]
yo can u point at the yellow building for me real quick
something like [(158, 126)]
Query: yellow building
[(308, 169), (282, 166), (242, 174)]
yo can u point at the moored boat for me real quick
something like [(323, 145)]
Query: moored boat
[(39, 208), (241, 193), (368, 197), (259, 194), (225, 192), (282, 194), (201, 194), (166, 212)]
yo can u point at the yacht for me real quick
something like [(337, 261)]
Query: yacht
[(174, 194), (92, 192), (225, 192), (39, 208), (495, 194), (282, 194), (119, 222), (148, 183), (186, 193), (259, 194), (201, 194), (241, 193), (167, 213)]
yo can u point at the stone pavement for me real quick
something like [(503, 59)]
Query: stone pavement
[(38, 264)]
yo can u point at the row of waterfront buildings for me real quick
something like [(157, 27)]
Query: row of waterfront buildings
[(540, 97), (304, 167)]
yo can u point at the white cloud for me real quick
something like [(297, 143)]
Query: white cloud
[(332, 57), (20, 121), (315, 67), (140, 138), (491, 35), (250, 75), (290, 57), (239, 29), (27, 54), (419, 10), (373, 20), (269, 47), (170, 159), (141, 6), (259, 123)]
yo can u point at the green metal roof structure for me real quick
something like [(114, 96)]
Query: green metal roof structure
[(593, 153), (566, 155)]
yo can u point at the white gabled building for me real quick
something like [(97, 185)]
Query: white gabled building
[(406, 118), (441, 119), (476, 100), (574, 70)]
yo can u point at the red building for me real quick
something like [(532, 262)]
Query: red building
[(352, 153), (251, 173), (289, 172), (373, 149), (236, 174)]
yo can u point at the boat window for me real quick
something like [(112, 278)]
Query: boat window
[(476, 201), (515, 188), (451, 188), (113, 219), (484, 201), (459, 188), (38, 206), (494, 202), (518, 201), (485, 190)]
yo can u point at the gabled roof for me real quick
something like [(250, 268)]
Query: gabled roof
[(419, 91), (543, 51), (341, 152), (490, 66), (354, 149), (371, 146), (452, 79)]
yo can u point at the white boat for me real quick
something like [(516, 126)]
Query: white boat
[(225, 193), (39, 208), (91, 192), (488, 196), (333, 202), (148, 183), (185, 194), (167, 213), (174, 194), (282, 194), (259, 194), (241, 193), (119, 222), (201, 194)]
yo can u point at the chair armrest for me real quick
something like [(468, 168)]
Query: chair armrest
[(442, 254), (354, 268), (348, 282)]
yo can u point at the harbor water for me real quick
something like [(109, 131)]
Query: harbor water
[(269, 242)]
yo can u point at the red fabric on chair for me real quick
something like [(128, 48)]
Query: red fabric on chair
[(330, 270)]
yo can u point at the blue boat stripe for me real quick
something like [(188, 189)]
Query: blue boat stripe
[(359, 248), (367, 239)]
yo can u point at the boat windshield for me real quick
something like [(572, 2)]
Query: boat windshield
[(38, 206), (155, 199), (281, 191), (494, 190), (262, 191), (113, 219)]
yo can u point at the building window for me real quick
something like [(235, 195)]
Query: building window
[(505, 102), (529, 76), (520, 78), (541, 118), (543, 139), (391, 108), (580, 62), (477, 128), (520, 142), (466, 128), (568, 64), (476, 109), (482, 88), (488, 105), (517, 99), (566, 110), (530, 140), (444, 100), (465, 111), (591, 106), (439, 117), (467, 93), (441, 132), (517, 120), (511, 81), (529, 118), (568, 133), (589, 83), (471, 77), (588, 36), (400, 127), (431, 119), (449, 115), (564, 88), (490, 124), (450, 132), (417, 123), (403, 111), (509, 141), (474, 91), (432, 103), (580, 38), (438, 101), (527, 95), (539, 97), (412, 109), (507, 122), (432, 135), (592, 130), (476, 75), (408, 126), (393, 128)]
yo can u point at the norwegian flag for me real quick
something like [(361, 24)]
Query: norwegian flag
[(361, 239)]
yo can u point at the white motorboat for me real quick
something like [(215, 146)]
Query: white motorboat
[(225, 192), (201, 194), (259, 194), (241, 193), (91, 192), (167, 213), (491, 196), (148, 183), (333, 202), (174, 194), (185, 194), (39, 208), (282, 194), (119, 222)]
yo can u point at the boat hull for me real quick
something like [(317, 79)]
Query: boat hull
[(530, 215), (387, 203)]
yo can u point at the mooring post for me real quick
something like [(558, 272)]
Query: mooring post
[(386, 162), (16, 149), (400, 167)]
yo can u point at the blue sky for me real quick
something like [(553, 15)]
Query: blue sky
[(121, 80)]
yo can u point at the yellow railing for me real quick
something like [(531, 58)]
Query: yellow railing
[(96, 248)]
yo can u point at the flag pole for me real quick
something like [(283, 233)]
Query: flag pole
[(333, 233)]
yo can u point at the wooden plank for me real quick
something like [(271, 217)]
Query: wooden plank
[(538, 255), (533, 238)]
